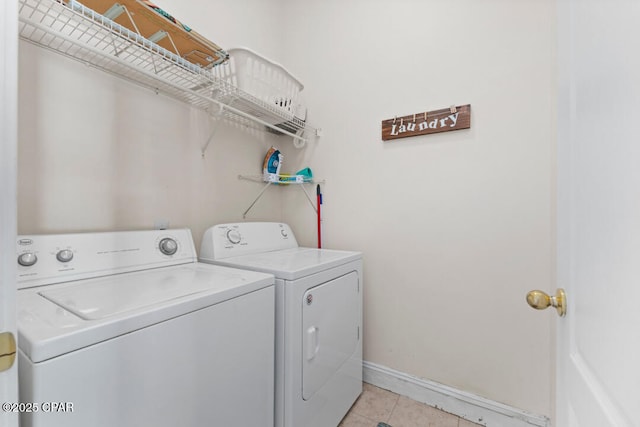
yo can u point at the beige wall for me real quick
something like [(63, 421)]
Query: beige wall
[(455, 228)]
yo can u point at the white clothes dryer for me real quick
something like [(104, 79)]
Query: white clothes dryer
[(127, 329), (318, 317)]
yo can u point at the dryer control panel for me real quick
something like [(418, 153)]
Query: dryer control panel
[(54, 258), (244, 238)]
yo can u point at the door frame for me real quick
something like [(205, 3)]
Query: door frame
[(8, 192)]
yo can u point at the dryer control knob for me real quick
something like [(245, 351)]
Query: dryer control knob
[(168, 246), (27, 259), (234, 236), (64, 255)]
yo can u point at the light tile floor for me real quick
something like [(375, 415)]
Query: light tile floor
[(378, 405)]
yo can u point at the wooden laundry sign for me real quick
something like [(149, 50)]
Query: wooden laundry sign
[(445, 120)]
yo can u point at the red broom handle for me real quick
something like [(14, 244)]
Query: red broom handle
[(319, 203)]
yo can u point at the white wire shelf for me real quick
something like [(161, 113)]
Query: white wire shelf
[(272, 179), (281, 179), (73, 30)]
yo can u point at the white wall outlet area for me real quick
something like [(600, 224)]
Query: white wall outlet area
[(161, 224)]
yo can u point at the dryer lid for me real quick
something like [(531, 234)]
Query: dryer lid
[(292, 264)]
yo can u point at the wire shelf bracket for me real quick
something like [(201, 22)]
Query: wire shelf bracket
[(260, 178)]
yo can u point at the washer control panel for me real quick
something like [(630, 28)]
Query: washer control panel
[(54, 258), (168, 246), (226, 240), (64, 255), (27, 259)]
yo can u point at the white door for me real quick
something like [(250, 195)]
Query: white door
[(8, 163), (599, 213)]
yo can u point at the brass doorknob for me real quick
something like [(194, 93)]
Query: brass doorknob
[(7, 350), (541, 300)]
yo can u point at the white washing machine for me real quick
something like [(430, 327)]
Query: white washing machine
[(318, 317), (127, 329)]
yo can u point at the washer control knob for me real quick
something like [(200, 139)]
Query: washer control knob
[(27, 259), (64, 255), (234, 236), (284, 233), (168, 246)]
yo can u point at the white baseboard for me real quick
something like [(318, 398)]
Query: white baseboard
[(463, 404)]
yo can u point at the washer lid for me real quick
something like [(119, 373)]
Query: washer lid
[(101, 298), (62, 318), (292, 264)]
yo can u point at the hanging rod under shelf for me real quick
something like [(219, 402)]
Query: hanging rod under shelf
[(80, 33)]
